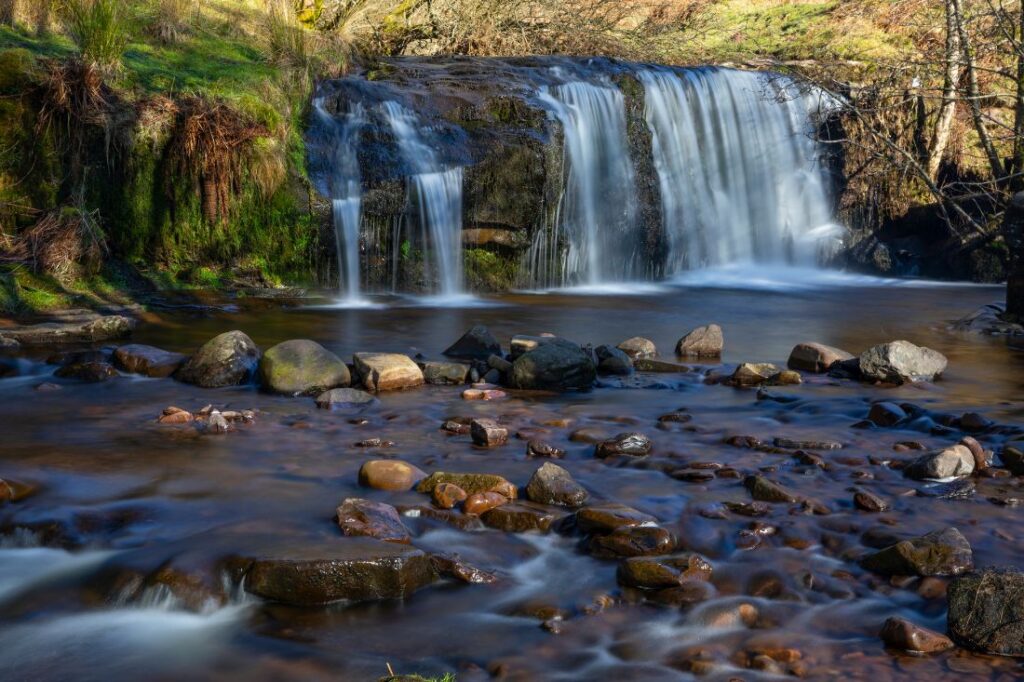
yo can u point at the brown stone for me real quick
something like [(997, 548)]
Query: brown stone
[(478, 503), (815, 357), (359, 517), (488, 433), (447, 495), (387, 371), (636, 541), (707, 341), (661, 572), (147, 360), (389, 474), (606, 518), (539, 448), (899, 633), (471, 483), (179, 417), (869, 502), (520, 517), (638, 347)]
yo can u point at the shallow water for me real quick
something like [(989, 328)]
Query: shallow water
[(117, 489)]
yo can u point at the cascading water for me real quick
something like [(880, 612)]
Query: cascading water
[(738, 167), (437, 192), (598, 210), (345, 187)]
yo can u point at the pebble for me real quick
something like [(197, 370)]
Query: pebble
[(899, 633), (539, 448)]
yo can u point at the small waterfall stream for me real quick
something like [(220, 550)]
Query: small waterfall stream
[(739, 171), (598, 209), (437, 192)]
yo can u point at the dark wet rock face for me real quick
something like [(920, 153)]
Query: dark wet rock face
[(354, 568), (632, 541), (941, 552), (358, 517), (89, 372), (663, 572), (226, 360), (476, 344), (302, 367), (986, 611), (551, 484), (557, 365), (901, 362), (147, 360)]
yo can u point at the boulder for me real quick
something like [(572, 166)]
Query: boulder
[(662, 572), (359, 517), (899, 633), (702, 342), (753, 374), (352, 568), (302, 367), (476, 344), (941, 552), (986, 611), (815, 357), (901, 362), (629, 444), (445, 373), (344, 398), (638, 347), (471, 483), (389, 474), (523, 343), (387, 371), (557, 365), (148, 361), (551, 484), (611, 360), (226, 360), (956, 461)]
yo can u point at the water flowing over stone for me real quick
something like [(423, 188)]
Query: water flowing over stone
[(739, 170), (598, 208), (437, 193)]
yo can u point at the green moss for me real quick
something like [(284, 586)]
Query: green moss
[(489, 271)]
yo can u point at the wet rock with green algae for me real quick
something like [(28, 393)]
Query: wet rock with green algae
[(470, 483), (941, 552), (302, 367)]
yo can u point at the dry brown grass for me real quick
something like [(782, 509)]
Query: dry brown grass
[(66, 243)]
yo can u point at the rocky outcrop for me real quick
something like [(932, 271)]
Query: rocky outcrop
[(226, 360), (302, 367)]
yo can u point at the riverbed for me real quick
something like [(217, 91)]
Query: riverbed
[(116, 488)]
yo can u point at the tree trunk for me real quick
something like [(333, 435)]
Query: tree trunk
[(947, 112), (974, 95), (1017, 183)]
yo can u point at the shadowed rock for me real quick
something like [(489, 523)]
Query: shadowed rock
[(941, 552), (226, 360), (815, 357), (556, 365), (476, 344), (986, 611), (147, 360)]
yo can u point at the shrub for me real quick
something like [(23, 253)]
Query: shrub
[(99, 29)]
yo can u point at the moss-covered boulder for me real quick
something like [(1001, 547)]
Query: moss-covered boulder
[(226, 360), (471, 483), (302, 367), (941, 552)]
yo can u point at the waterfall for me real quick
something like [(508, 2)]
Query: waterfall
[(738, 168), (598, 211), (437, 194), (345, 190)]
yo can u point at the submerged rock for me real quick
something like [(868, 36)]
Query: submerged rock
[(352, 568), (226, 360), (147, 360), (638, 347), (520, 517), (551, 484), (556, 365), (766, 491), (707, 341), (539, 448), (387, 371), (662, 572), (629, 444), (953, 462), (90, 372), (986, 611), (342, 398), (901, 362), (887, 414), (302, 367), (941, 552), (359, 517), (602, 519), (660, 366), (1013, 459), (899, 633), (632, 541), (815, 357), (476, 344)]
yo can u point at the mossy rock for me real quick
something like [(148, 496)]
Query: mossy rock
[(302, 367)]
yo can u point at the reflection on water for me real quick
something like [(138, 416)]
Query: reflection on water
[(114, 487)]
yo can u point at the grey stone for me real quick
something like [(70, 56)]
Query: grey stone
[(226, 360), (901, 362)]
